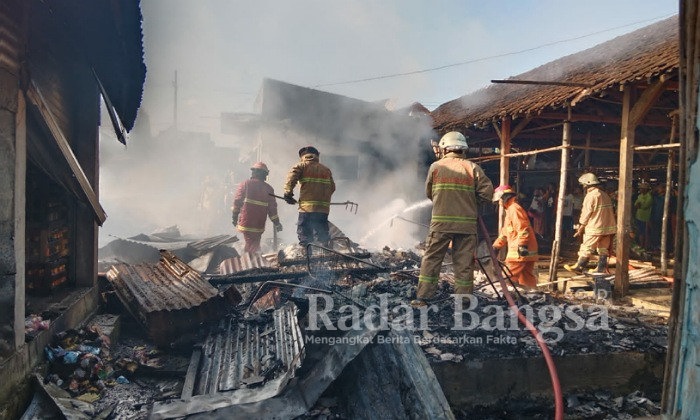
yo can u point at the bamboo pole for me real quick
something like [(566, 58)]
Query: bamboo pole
[(659, 146), (667, 202), (505, 162), (556, 246)]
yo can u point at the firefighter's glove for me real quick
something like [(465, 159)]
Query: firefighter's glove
[(579, 232), (278, 227), (234, 219), (289, 198), (522, 251)]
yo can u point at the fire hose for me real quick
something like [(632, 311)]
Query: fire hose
[(556, 386)]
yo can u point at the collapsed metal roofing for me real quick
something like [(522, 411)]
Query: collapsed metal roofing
[(169, 297), (111, 37), (640, 55)]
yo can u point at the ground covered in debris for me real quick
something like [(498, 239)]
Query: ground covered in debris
[(117, 380), (602, 405), (260, 346)]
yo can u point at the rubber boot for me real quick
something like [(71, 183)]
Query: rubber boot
[(602, 264), (579, 267), (425, 292)]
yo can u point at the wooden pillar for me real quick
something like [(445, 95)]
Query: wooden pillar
[(631, 116), (667, 200), (624, 197), (556, 245), (505, 162), (587, 152)]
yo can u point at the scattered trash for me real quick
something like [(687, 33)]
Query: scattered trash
[(35, 323), (122, 380)]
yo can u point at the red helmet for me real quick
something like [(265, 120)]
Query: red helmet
[(260, 167), (308, 149), (501, 191)]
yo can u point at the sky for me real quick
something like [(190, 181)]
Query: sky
[(222, 49)]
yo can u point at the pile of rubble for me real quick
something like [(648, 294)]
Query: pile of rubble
[(600, 404), (259, 353)]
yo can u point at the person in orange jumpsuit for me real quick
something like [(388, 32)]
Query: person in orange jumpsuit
[(519, 236), (252, 204)]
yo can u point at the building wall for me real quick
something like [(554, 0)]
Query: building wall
[(12, 166)]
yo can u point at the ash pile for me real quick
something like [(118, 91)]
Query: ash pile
[(314, 331)]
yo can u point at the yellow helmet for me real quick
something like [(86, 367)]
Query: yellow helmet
[(588, 179), (453, 140)]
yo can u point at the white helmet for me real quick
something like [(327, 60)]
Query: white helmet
[(588, 179), (453, 140)]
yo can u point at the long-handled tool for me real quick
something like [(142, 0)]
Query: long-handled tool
[(349, 205), (391, 224)]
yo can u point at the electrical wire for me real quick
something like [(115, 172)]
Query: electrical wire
[(476, 60)]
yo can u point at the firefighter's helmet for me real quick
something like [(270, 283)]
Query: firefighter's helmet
[(502, 191), (308, 149), (453, 140), (588, 179), (259, 166)]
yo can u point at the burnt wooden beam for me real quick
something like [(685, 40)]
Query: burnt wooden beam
[(603, 119)]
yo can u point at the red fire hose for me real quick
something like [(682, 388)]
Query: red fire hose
[(556, 387)]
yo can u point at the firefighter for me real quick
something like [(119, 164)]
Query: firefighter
[(597, 225), (252, 204), (315, 193), (455, 186), (519, 236)]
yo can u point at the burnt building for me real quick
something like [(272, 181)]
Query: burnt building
[(58, 61)]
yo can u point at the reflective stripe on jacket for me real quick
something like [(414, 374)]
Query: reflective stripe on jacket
[(516, 231), (454, 184), (597, 213), (254, 203), (317, 184)]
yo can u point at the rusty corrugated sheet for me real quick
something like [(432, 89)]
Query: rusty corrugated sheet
[(639, 55), (247, 263), (245, 354), (169, 297)]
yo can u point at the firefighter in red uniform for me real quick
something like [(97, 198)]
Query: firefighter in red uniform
[(519, 236), (252, 204)]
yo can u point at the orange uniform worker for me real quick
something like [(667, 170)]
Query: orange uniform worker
[(519, 236), (252, 204)]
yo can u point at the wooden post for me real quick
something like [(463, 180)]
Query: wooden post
[(631, 116), (505, 162), (556, 245), (667, 201), (624, 197), (587, 152)]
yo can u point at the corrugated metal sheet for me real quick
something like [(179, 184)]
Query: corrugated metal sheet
[(206, 244), (248, 263), (170, 296), (639, 55), (250, 353)]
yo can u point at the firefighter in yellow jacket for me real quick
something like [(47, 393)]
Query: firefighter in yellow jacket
[(597, 225), (519, 236), (455, 185), (315, 193)]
